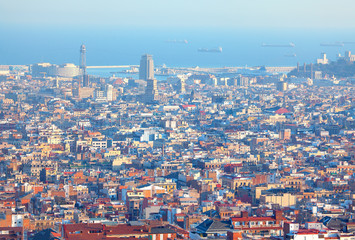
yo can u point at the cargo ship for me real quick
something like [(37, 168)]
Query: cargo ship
[(211, 50), (177, 41), (336, 44), (290, 55), (278, 45)]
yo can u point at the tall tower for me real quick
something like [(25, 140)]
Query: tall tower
[(151, 91), (181, 86), (109, 92), (85, 77), (146, 69), (281, 86), (83, 59)]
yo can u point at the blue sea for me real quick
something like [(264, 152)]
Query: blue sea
[(124, 46)]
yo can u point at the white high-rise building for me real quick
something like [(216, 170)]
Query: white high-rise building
[(109, 92), (323, 59)]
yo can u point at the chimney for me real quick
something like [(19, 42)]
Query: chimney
[(234, 235), (244, 214), (277, 214)]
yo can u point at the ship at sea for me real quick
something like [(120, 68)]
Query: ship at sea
[(177, 41), (336, 44), (278, 45), (210, 50)]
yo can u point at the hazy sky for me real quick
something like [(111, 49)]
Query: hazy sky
[(180, 13)]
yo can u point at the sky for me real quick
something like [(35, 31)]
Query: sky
[(117, 32), (179, 13)]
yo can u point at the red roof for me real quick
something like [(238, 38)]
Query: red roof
[(307, 231), (246, 219), (119, 81), (188, 106), (261, 228), (282, 111)]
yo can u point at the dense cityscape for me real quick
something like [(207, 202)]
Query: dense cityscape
[(203, 153)]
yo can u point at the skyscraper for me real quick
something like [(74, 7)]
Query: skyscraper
[(86, 81), (151, 91), (146, 69), (109, 92), (146, 72), (181, 86), (85, 77), (281, 86)]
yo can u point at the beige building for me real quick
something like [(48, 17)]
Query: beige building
[(35, 167), (235, 182), (258, 190), (284, 200)]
